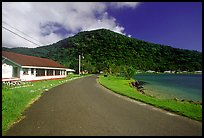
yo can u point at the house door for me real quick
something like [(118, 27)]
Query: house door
[(15, 71)]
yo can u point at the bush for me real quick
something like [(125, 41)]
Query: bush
[(128, 71)]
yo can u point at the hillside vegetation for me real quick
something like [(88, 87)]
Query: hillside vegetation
[(105, 50)]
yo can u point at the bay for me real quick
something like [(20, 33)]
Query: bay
[(182, 86)]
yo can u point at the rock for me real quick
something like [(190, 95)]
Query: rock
[(142, 91), (137, 86), (140, 87), (198, 102), (190, 101)]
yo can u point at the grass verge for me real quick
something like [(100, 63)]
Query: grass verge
[(16, 99), (121, 86)]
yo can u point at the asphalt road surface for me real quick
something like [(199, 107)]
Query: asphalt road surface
[(83, 107)]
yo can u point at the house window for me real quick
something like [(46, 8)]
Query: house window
[(63, 72), (57, 72), (32, 71), (40, 72), (25, 71), (49, 72)]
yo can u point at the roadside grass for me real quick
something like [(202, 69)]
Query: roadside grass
[(16, 99), (121, 86)]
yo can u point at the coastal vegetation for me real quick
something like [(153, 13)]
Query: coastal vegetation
[(107, 51), (16, 99), (122, 86)]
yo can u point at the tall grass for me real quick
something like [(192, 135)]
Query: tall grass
[(121, 86)]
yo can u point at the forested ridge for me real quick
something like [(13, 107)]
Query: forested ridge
[(105, 50)]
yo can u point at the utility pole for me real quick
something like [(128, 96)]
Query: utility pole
[(79, 64)]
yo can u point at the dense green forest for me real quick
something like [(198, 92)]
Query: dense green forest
[(105, 50)]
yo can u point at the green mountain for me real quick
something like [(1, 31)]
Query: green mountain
[(106, 50)]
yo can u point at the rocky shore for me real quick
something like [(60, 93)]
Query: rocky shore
[(141, 89), (138, 86)]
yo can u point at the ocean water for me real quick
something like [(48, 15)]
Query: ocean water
[(182, 86)]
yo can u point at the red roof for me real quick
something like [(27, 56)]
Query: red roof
[(25, 60)]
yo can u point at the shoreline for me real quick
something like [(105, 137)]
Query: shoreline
[(153, 93), (122, 86), (171, 87)]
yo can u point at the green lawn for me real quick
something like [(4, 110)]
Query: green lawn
[(121, 86), (16, 99)]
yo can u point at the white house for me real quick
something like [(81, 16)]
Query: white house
[(198, 71), (150, 71), (168, 71), (29, 68), (70, 71)]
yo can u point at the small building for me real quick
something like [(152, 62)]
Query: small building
[(198, 71), (150, 71), (29, 68), (173, 71), (70, 71), (167, 71)]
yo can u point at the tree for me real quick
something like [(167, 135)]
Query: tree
[(128, 71), (110, 51)]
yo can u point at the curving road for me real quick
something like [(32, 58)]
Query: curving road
[(83, 107)]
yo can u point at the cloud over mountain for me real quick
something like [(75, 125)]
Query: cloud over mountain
[(48, 22)]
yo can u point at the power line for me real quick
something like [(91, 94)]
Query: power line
[(21, 32), (19, 35)]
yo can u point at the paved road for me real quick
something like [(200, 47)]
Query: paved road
[(83, 107)]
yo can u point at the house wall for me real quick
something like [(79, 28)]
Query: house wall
[(11, 70), (30, 77), (8, 69), (26, 77)]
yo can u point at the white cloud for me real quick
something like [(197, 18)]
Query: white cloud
[(124, 4), (105, 22), (41, 20)]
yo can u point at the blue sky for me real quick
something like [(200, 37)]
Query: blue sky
[(177, 24)]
